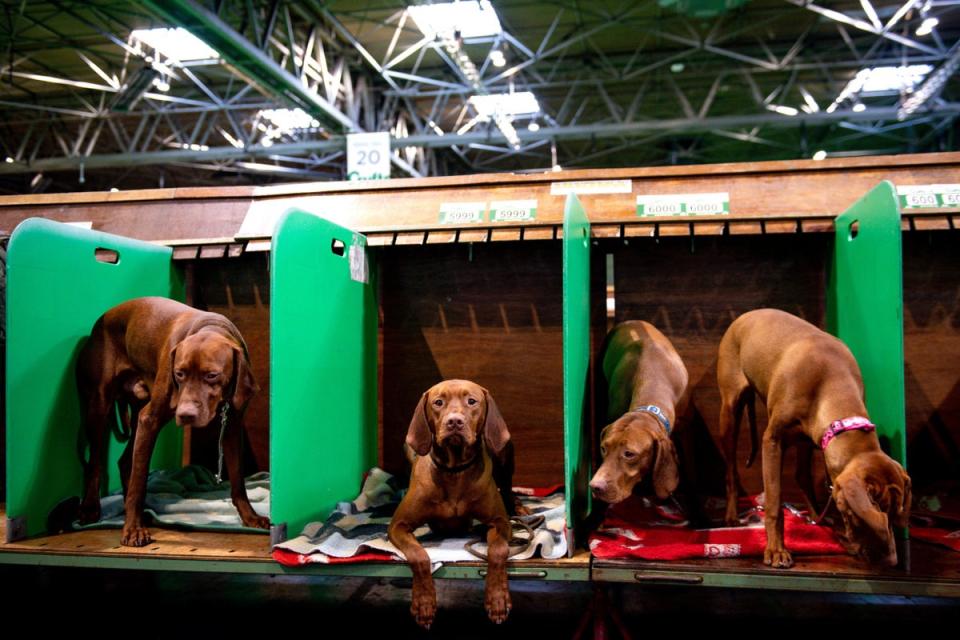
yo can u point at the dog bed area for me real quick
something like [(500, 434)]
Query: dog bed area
[(356, 531), (639, 528), (188, 498)]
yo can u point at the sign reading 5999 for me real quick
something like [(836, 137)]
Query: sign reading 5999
[(368, 156)]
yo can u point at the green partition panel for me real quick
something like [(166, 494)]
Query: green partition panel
[(56, 290), (323, 369), (576, 360), (865, 307)]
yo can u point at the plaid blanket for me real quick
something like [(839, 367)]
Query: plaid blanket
[(189, 497), (638, 528), (357, 531)]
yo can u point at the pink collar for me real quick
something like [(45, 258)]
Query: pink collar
[(853, 423)]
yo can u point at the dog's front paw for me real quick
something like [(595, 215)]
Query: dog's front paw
[(89, 512), (423, 605), (497, 603), (135, 536), (777, 558), (256, 522)]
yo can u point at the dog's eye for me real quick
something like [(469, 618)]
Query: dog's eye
[(603, 451), (438, 402), (471, 401), (213, 375), (629, 455), (179, 375)]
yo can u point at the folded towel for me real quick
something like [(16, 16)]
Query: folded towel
[(357, 531)]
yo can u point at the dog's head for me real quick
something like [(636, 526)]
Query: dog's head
[(452, 417), (208, 368), (631, 447), (873, 494)]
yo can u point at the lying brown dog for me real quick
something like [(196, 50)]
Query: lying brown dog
[(811, 384), (160, 359), (647, 384), (463, 452)]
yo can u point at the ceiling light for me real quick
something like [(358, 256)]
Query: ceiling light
[(287, 120), (507, 104), (859, 107), (9, 159), (557, 167), (926, 27), (820, 155), (176, 44), (782, 109), (470, 19), (497, 58), (677, 67), (533, 126)]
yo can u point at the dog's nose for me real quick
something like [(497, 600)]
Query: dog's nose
[(598, 487), (187, 413), (455, 421)]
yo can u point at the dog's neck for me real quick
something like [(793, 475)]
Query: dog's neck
[(846, 446), (456, 459), (655, 394)]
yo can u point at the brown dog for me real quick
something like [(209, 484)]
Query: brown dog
[(159, 359), (647, 384), (812, 386), (463, 452)]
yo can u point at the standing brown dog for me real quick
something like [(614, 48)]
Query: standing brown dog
[(647, 384), (161, 359), (810, 383), (463, 452)]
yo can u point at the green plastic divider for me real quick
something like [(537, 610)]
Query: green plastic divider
[(576, 361), (323, 369), (56, 290), (865, 307)]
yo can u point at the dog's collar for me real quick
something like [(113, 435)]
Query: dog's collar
[(656, 411), (853, 423), (456, 468)]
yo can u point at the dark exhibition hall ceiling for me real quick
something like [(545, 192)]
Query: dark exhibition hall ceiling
[(105, 94)]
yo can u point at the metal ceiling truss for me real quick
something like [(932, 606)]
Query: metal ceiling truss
[(617, 83)]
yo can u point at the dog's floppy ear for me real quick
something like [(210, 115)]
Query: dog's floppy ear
[(666, 469), (244, 386), (419, 434), (853, 501), (174, 385), (901, 507), (495, 432)]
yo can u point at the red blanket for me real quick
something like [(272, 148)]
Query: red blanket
[(637, 528)]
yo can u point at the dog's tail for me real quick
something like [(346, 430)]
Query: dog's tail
[(750, 401)]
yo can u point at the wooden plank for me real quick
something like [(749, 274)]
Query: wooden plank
[(638, 230), (605, 231), (379, 239), (213, 251), (785, 226), (538, 233), (709, 228), (185, 253), (474, 235), (444, 236), (409, 238), (675, 229), (740, 227), (505, 234), (766, 190), (931, 223), (816, 226)]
